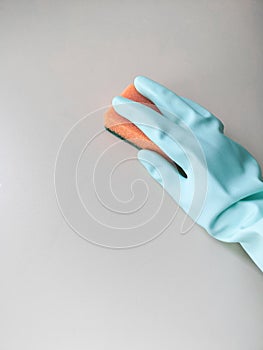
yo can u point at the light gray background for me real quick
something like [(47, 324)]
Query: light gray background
[(63, 59)]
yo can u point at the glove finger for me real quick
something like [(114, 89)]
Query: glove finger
[(171, 105), (198, 108), (171, 138), (166, 175), (204, 113)]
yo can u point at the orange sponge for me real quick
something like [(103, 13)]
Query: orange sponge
[(126, 130)]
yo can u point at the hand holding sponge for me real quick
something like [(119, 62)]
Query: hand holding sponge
[(228, 200)]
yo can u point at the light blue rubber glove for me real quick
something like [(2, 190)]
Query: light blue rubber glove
[(223, 191)]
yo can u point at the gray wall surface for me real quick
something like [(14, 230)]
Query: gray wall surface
[(61, 62)]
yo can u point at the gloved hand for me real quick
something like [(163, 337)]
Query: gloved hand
[(223, 191)]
